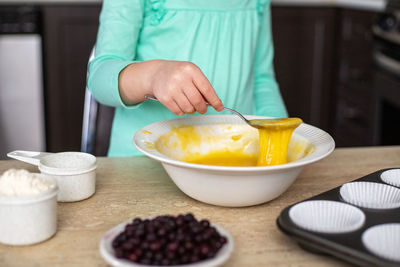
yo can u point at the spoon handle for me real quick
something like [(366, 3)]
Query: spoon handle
[(150, 97), (240, 115)]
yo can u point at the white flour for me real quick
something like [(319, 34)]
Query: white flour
[(22, 183)]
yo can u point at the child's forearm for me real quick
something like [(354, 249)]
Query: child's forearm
[(134, 81)]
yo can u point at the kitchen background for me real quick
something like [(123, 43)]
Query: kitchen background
[(337, 63)]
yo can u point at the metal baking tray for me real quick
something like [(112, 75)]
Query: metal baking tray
[(346, 246)]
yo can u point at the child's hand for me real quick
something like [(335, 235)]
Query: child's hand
[(183, 88), (180, 86)]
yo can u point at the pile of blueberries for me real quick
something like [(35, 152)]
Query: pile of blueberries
[(168, 240)]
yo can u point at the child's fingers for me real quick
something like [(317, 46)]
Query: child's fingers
[(170, 103), (195, 98), (183, 103), (206, 89)]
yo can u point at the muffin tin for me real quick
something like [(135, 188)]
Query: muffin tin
[(358, 222)]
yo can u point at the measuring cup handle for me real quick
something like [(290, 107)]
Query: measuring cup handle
[(31, 157)]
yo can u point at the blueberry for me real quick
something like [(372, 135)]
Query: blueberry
[(119, 253), (151, 237), (138, 252), (204, 249), (127, 246), (165, 262), (148, 255), (144, 245), (181, 250), (170, 255), (172, 236), (172, 246), (194, 258), (198, 238), (158, 256), (189, 217), (161, 232), (156, 245), (180, 220), (145, 261), (188, 245), (205, 223), (115, 243), (136, 221), (133, 257)]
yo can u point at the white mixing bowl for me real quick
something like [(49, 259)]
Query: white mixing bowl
[(224, 185)]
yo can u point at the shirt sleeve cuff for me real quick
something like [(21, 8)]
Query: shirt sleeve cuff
[(104, 83)]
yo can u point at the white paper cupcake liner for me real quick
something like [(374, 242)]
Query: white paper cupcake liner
[(371, 195), (383, 240), (326, 216), (391, 177)]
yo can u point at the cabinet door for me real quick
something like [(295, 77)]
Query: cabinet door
[(69, 33), (304, 43), (355, 106)]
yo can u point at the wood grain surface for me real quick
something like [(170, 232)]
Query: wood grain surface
[(139, 187)]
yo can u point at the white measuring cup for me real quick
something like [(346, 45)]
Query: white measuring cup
[(75, 172)]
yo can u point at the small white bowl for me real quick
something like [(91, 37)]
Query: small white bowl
[(325, 216), (383, 240), (371, 195), (391, 177), (75, 173), (231, 186), (107, 251), (26, 220)]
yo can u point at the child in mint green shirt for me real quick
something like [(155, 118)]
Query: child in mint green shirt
[(186, 53)]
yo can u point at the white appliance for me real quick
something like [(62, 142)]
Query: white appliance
[(22, 124)]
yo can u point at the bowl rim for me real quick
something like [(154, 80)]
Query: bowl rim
[(45, 167), (322, 150), (105, 244)]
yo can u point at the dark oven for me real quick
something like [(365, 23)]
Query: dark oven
[(386, 56)]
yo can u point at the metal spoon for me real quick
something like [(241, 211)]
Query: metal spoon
[(150, 97)]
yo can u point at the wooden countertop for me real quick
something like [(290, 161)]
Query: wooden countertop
[(139, 187)]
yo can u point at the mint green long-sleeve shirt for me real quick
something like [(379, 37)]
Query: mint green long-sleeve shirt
[(230, 40)]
